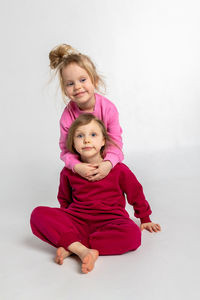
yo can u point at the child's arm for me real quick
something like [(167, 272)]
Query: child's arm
[(64, 192), (135, 197), (114, 152)]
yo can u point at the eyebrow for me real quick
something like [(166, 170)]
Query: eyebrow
[(78, 131), (70, 80)]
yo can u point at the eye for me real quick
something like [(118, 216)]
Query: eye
[(69, 83), (79, 135), (83, 79), (94, 134)]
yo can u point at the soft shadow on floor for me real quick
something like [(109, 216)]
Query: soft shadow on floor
[(38, 245)]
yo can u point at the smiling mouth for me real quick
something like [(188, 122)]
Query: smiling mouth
[(79, 94)]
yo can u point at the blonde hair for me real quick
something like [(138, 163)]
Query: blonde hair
[(85, 119), (63, 55)]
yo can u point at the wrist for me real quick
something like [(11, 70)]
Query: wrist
[(108, 163), (75, 167), (145, 220)]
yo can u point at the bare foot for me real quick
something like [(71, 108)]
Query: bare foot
[(88, 259), (61, 254)]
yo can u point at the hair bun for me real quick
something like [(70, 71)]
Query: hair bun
[(60, 52)]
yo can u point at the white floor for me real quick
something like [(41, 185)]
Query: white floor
[(166, 266)]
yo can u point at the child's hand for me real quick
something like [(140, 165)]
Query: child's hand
[(150, 227), (85, 170), (102, 170)]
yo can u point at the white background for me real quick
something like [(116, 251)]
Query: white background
[(148, 52)]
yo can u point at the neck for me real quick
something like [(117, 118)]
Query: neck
[(92, 160), (89, 106)]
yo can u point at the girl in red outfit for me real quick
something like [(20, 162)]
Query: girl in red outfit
[(92, 219)]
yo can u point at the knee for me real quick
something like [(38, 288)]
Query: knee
[(135, 236), (37, 214)]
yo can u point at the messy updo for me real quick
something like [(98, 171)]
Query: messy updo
[(63, 55)]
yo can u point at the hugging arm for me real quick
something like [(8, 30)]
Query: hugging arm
[(114, 151)]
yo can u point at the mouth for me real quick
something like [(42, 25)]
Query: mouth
[(79, 94), (87, 148)]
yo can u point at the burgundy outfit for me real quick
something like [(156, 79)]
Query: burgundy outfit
[(93, 213)]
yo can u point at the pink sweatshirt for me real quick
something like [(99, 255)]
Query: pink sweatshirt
[(104, 110)]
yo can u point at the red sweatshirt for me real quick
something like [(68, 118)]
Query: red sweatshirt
[(104, 196)]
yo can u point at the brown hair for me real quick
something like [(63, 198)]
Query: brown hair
[(85, 119), (63, 55)]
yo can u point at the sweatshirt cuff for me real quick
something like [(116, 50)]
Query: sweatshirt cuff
[(145, 220)]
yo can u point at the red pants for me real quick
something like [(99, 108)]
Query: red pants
[(109, 234)]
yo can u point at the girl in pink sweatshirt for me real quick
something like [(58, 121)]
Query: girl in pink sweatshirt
[(92, 219), (79, 81)]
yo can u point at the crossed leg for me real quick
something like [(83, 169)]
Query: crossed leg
[(116, 237), (65, 232)]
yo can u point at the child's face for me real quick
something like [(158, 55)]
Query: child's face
[(88, 141), (78, 85)]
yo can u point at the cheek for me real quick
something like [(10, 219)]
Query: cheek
[(100, 145), (90, 87), (77, 144), (67, 91)]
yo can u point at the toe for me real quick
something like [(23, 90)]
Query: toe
[(85, 271), (86, 259)]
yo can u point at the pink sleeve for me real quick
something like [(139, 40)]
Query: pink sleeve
[(114, 154), (69, 159)]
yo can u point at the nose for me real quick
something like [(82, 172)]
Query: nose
[(86, 139), (77, 85)]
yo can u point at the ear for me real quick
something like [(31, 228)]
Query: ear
[(95, 84), (103, 142)]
